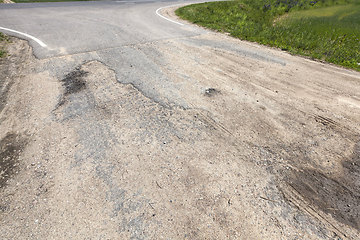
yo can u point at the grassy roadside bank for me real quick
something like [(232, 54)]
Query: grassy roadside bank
[(3, 41), (328, 30)]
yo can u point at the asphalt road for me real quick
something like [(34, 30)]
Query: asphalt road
[(105, 31), (108, 31), (77, 27), (128, 125)]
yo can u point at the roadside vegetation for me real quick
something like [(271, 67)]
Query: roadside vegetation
[(328, 30), (3, 40)]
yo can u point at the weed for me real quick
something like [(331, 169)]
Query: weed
[(324, 29), (3, 40)]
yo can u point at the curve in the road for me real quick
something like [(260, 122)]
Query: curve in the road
[(41, 43), (158, 13)]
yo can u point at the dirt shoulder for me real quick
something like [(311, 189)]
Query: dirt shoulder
[(267, 147), (26, 96)]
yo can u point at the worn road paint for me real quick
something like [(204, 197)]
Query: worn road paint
[(159, 9), (41, 43)]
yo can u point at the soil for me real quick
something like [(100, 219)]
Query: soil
[(11, 143), (264, 149)]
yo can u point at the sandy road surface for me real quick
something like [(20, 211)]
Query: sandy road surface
[(194, 137)]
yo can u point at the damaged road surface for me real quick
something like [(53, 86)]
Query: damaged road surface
[(129, 126)]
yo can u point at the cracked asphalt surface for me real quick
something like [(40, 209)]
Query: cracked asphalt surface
[(128, 126)]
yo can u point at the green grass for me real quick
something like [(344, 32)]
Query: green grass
[(3, 40), (327, 30), (29, 1)]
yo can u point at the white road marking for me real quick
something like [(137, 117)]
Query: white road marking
[(159, 9), (41, 43)]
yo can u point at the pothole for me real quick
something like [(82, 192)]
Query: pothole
[(209, 92)]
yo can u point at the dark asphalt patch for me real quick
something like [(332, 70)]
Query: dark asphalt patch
[(338, 196), (11, 147), (74, 81)]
